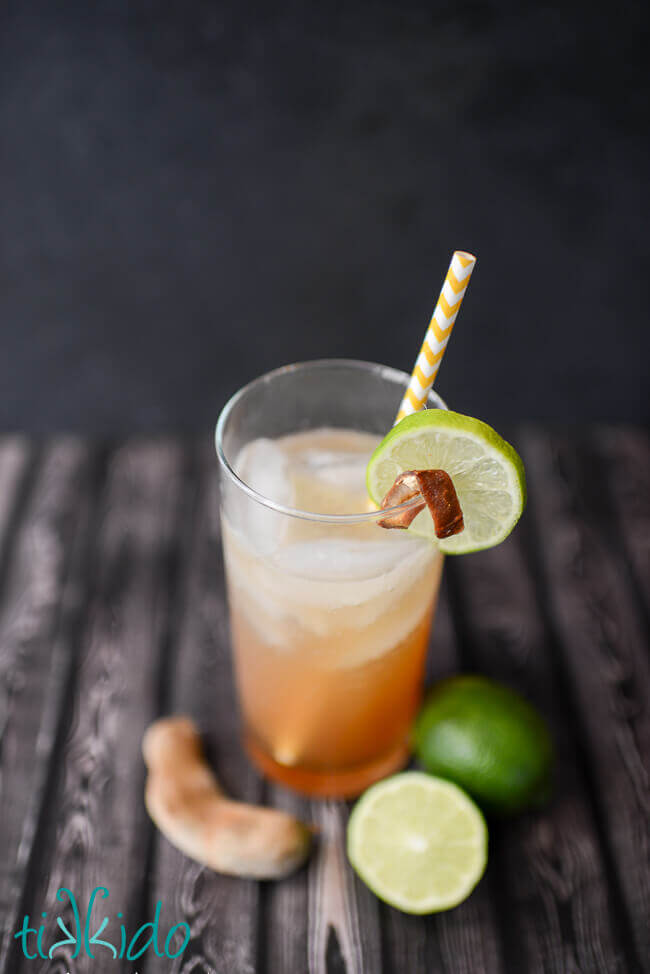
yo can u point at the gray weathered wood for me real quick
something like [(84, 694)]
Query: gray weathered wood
[(221, 910), (42, 588), (284, 934), (105, 621), (466, 939), (559, 904), (625, 459), (339, 906), (95, 830), (605, 651), (15, 454), (324, 908)]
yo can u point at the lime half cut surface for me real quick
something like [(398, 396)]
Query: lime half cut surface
[(418, 842), (487, 472)]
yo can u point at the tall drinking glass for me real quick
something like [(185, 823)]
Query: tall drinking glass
[(330, 614)]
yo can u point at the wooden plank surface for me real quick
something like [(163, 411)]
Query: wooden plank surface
[(112, 611), (284, 930), (222, 911), (624, 456), (15, 455), (94, 826), (468, 938), (555, 881), (604, 649), (42, 588)]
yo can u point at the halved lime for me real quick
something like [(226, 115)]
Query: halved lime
[(487, 472), (418, 842)]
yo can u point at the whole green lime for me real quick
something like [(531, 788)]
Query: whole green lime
[(489, 740)]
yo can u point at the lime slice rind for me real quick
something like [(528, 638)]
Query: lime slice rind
[(487, 472), (407, 852)]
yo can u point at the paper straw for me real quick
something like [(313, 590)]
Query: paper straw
[(438, 332)]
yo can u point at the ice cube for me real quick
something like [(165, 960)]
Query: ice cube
[(344, 559), (340, 468), (263, 466)]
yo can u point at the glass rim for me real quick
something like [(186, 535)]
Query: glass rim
[(385, 371)]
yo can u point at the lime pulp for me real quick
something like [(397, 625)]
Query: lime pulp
[(418, 842), (487, 473)]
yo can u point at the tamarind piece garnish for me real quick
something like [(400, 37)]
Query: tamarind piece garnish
[(438, 493), (185, 801)]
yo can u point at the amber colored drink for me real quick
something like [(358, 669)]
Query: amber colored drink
[(330, 621)]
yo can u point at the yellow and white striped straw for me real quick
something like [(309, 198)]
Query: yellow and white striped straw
[(438, 332)]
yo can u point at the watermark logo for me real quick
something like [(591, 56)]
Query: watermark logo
[(86, 933)]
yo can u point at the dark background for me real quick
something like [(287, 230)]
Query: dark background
[(195, 192)]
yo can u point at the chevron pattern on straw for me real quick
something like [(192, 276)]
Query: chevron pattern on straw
[(438, 332)]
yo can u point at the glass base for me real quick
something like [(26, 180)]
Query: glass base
[(348, 783)]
